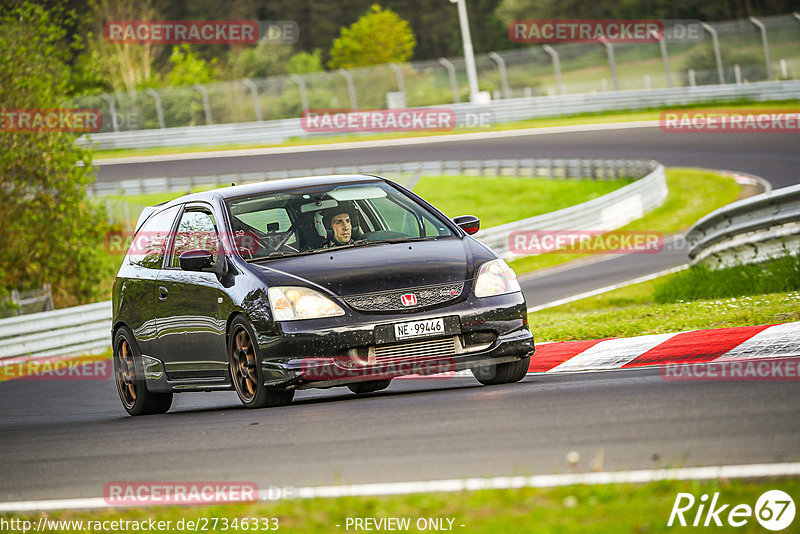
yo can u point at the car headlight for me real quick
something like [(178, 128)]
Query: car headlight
[(293, 303), (496, 278)]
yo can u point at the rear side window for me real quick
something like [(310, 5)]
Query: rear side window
[(195, 231), (150, 242)]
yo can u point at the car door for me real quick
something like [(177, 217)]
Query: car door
[(137, 283), (190, 331)]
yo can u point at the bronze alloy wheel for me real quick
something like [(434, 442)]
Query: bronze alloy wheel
[(125, 373), (136, 398), (243, 365)]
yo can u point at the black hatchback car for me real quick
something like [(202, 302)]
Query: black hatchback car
[(309, 282)]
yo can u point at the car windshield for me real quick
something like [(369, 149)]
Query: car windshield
[(309, 220)]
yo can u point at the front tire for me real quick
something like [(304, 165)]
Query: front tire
[(129, 377), (504, 373), (246, 373)]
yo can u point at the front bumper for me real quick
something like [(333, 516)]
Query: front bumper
[(338, 351)]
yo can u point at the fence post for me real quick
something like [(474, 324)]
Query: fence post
[(737, 74), (254, 90), (15, 300), (351, 88), (662, 45), (556, 68), (112, 109), (206, 105), (692, 81), (501, 68), (451, 71), (401, 83), (612, 63), (301, 84), (159, 109), (717, 55), (763, 30)]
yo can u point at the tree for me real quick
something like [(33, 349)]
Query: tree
[(379, 36), (303, 62), (50, 231), (188, 68)]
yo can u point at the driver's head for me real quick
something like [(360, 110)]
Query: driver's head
[(342, 227)]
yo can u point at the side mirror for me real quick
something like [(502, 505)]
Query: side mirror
[(468, 223), (196, 260)]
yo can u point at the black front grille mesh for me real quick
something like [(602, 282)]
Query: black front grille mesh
[(391, 300)]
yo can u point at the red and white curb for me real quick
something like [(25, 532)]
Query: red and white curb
[(697, 346)]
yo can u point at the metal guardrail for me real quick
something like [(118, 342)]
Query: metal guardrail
[(607, 212), (752, 230), (86, 329), (500, 112), (65, 332), (598, 169)]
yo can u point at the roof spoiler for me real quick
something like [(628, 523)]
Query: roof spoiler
[(143, 216)]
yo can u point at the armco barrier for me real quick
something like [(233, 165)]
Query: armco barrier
[(87, 329), (748, 231), (501, 111), (65, 332)]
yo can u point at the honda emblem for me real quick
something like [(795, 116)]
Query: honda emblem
[(409, 299)]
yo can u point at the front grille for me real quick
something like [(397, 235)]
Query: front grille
[(391, 300), (428, 348)]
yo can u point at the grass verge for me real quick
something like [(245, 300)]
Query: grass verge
[(633, 311), (778, 275), (693, 193), (609, 508), (568, 120)]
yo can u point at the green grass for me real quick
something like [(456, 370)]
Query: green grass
[(779, 275), (567, 120), (693, 193), (613, 508), (633, 311)]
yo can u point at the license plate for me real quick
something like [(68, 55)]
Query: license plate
[(428, 327)]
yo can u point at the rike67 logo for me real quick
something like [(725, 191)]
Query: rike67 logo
[(774, 510)]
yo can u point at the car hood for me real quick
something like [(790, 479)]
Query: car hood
[(380, 267)]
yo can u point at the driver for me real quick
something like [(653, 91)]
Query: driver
[(340, 221)]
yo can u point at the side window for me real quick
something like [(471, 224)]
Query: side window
[(195, 231), (397, 218), (150, 242)]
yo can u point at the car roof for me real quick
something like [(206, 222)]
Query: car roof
[(285, 184), (271, 186)]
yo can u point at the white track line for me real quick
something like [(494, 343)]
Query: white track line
[(638, 476), (350, 145)]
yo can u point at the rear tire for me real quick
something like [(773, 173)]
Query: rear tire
[(244, 359), (368, 387), (504, 373), (129, 377)]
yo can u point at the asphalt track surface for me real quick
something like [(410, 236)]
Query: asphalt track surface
[(62, 439), (774, 156)]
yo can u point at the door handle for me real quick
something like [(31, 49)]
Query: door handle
[(162, 293)]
